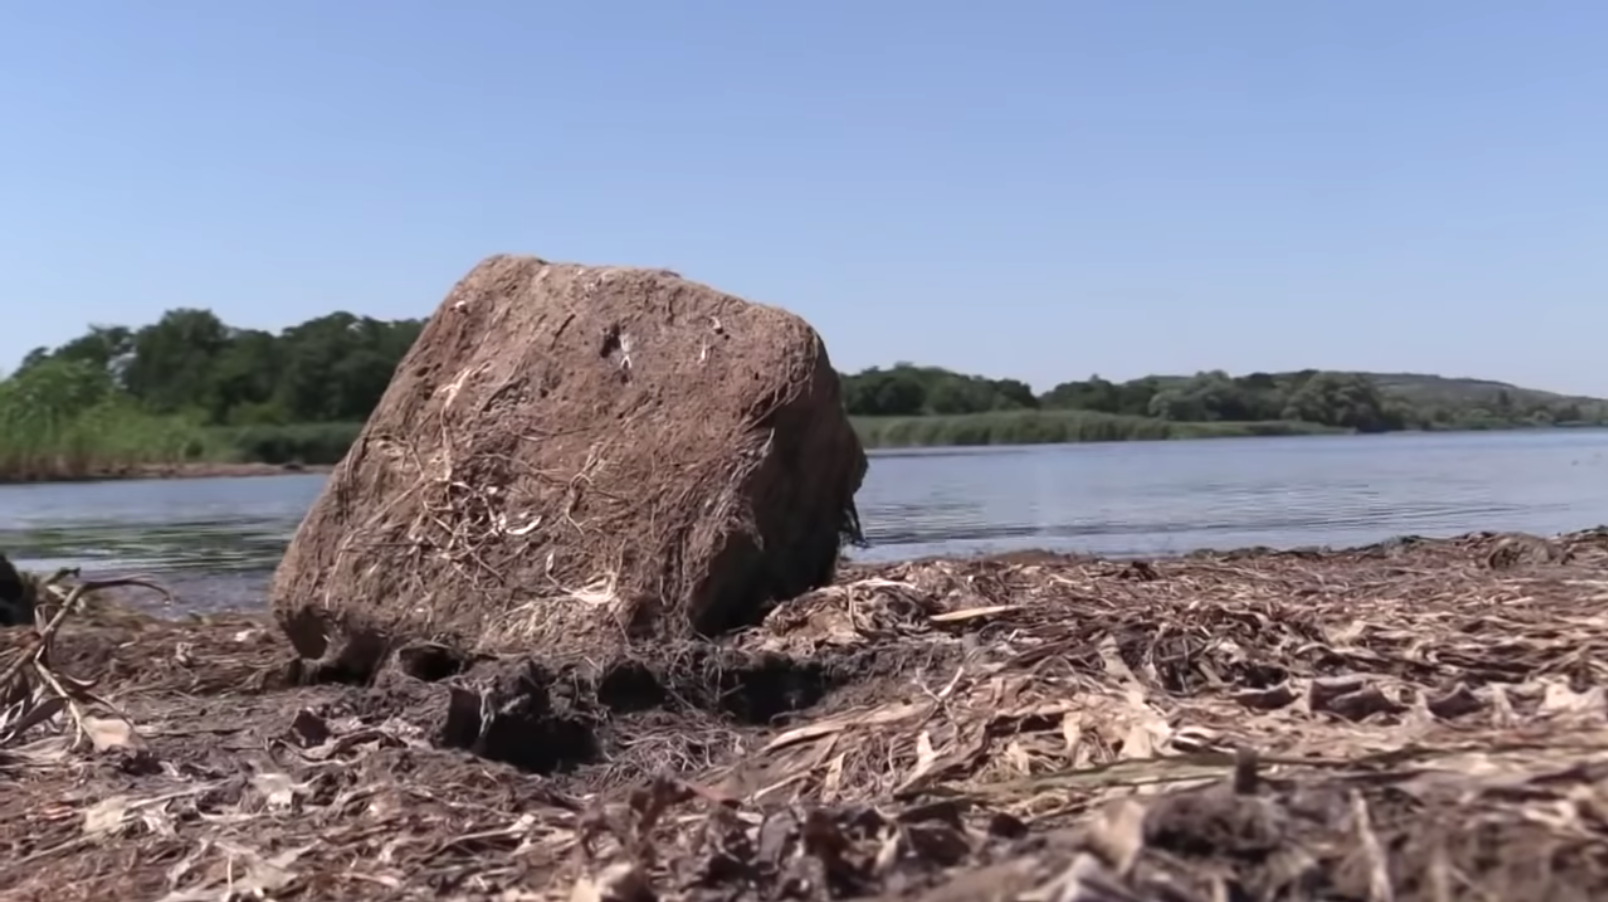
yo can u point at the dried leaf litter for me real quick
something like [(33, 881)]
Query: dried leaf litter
[(1413, 720)]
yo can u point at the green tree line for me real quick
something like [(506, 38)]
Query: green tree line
[(191, 387), (1340, 401), (330, 369)]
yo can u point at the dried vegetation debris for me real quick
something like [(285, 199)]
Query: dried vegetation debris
[(1415, 720), (35, 693)]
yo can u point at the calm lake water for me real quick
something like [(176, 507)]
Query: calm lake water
[(216, 540)]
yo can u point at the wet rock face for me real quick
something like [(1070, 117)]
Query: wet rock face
[(574, 457)]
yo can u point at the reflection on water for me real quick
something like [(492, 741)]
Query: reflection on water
[(232, 524), (216, 540), (1172, 497)]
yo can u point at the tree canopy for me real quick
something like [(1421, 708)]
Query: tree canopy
[(1352, 401), (329, 369), (334, 368)]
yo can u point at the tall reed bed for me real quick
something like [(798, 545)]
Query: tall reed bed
[(62, 421), (302, 443), (1031, 427)]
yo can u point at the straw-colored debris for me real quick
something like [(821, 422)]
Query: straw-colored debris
[(1421, 720)]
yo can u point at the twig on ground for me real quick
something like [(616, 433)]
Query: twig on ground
[(35, 695)]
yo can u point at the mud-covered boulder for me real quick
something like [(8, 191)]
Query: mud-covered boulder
[(571, 458)]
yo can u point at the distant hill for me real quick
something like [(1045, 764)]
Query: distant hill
[(1421, 388), (1453, 391), (1253, 403)]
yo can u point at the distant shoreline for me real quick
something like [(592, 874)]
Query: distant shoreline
[(188, 470), (1075, 427), (1005, 429)]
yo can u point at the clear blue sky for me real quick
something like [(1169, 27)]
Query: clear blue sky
[(1038, 189)]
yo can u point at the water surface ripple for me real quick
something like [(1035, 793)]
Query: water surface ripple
[(217, 540)]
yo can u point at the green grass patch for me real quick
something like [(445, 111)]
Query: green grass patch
[(104, 440), (64, 420), (297, 443), (1042, 427)]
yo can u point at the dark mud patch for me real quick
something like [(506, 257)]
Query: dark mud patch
[(632, 714), (432, 663), (202, 687)]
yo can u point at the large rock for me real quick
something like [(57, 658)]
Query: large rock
[(572, 458)]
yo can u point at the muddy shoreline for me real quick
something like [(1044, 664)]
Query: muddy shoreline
[(1419, 717)]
